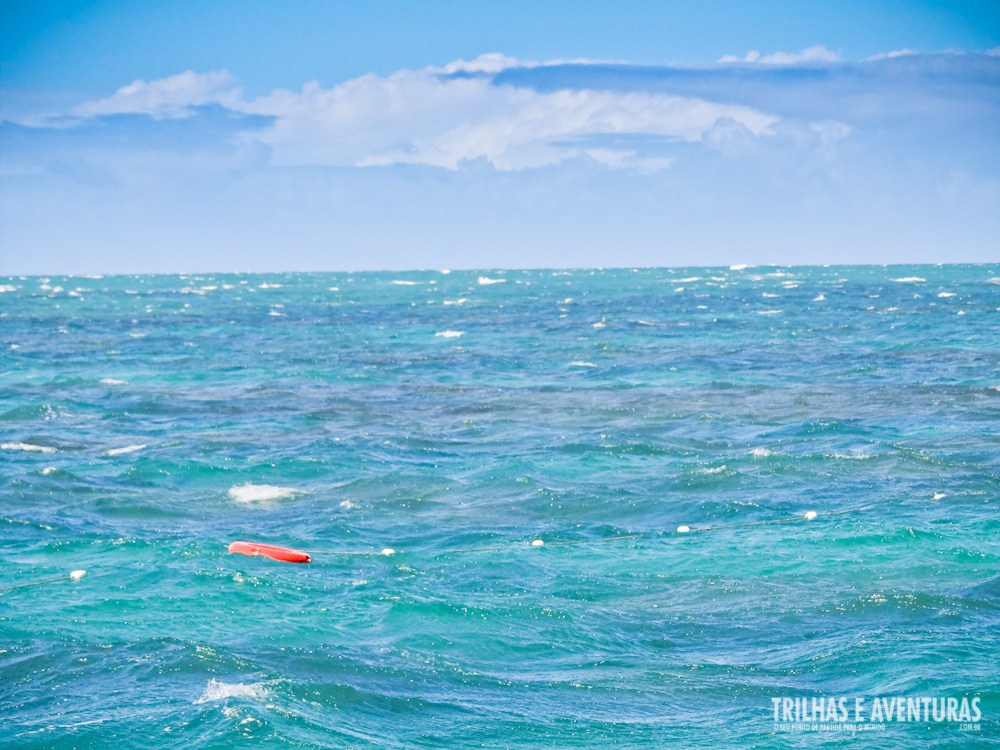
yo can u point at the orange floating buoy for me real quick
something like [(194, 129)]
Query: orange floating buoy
[(284, 554)]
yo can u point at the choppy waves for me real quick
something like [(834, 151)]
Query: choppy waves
[(624, 507)]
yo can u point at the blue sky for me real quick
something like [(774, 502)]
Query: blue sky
[(212, 136)]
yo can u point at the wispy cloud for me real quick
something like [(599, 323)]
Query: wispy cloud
[(816, 54), (894, 53), (167, 98)]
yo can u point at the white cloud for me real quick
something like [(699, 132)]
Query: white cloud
[(492, 62), (495, 62), (894, 53), (816, 54), (167, 98), (447, 116), (423, 117)]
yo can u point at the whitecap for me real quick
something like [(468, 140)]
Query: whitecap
[(581, 363), (819, 297), (27, 447), (909, 280), (739, 267), (49, 470), (945, 295), (770, 295), (459, 301), (267, 285), (113, 381), (260, 493), (403, 282), (761, 452), (348, 504), (7, 288), (216, 690), (995, 281), (126, 449), (854, 456), (486, 280), (770, 312), (689, 280), (449, 334), (713, 470)]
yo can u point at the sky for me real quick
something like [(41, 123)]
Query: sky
[(209, 136)]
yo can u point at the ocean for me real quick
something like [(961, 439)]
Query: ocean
[(631, 508)]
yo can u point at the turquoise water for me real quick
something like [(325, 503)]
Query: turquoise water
[(148, 421)]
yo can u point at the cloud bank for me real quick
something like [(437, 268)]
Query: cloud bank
[(582, 162), (445, 117), (515, 115)]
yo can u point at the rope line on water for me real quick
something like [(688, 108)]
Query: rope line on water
[(76, 575), (538, 542)]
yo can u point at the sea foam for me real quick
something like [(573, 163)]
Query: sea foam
[(27, 447), (126, 449), (260, 493), (216, 690)]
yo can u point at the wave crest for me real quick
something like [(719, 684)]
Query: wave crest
[(260, 493), (216, 690)]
